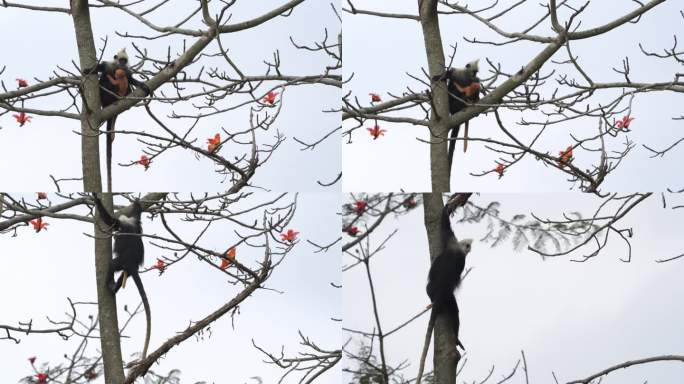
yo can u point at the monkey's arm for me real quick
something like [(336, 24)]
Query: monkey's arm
[(137, 83), (106, 217), (444, 76), (100, 67)]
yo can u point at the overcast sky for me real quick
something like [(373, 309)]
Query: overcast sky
[(380, 52), (574, 319), (39, 271), (49, 145)]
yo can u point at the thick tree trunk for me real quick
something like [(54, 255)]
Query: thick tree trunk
[(446, 356), (440, 105), (92, 182)]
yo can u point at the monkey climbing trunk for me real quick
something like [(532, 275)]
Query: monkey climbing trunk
[(446, 356)]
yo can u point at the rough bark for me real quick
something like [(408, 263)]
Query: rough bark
[(440, 105)]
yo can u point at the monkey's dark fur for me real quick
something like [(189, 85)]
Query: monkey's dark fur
[(109, 94), (466, 79), (445, 274), (128, 253)]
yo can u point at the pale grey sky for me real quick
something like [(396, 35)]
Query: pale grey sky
[(574, 319), (39, 271), (379, 52)]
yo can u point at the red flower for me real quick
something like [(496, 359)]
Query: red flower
[(360, 206), (42, 195), (38, 224), (213, 143), (376, 131), (352, 231), (230, 258), (269, 98), (42, 378), (22, 118), (144, 161), (22, 83), (410, 204), (32, 359), (565, 156), (160, 265), (290, 235), (500, 170), (90, 374), (624, 122), (375, 98)]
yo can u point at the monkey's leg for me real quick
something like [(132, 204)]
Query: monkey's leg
[(465, 137), (452, 310), (119, 282), (114, 267)]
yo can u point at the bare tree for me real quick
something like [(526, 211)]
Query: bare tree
[(257, 225), (196, 82), (579, 235), (551, 91)]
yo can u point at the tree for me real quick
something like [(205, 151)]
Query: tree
[(234, 244), (556, 70), (551, 286), (217, 96)]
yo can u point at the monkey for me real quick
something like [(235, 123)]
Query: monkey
[(115, 81), (463, 87), (444, 277), (445, 274), (128, 254)]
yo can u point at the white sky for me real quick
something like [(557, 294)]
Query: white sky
[(41, 270), (571, 318), (379, 52), (48, 145)]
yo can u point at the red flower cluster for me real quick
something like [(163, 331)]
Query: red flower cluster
[(38, 224), (360, 207), (624, 122), (565, 157), (213, 143), (230, 258), (22, 118), (160, 265), (352, 231), (22, 83), (42, 195), (269, 98), (500, 170), (376, 131), (42, 378), (409, 204), (144, 161), (290, 235), (375, 98)]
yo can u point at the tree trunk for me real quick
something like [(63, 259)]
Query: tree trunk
[(446, 356), (440, 104), (92, 182)]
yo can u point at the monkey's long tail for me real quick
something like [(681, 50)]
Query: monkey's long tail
[(426, 346), (110, 141), (452, 145), (148, 314)]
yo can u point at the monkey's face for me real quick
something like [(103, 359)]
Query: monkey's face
[(473, 67), (466, 245)]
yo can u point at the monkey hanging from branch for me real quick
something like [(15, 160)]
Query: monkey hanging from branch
[(116, 79), (463, 87), (128, 253), (445, 276)]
